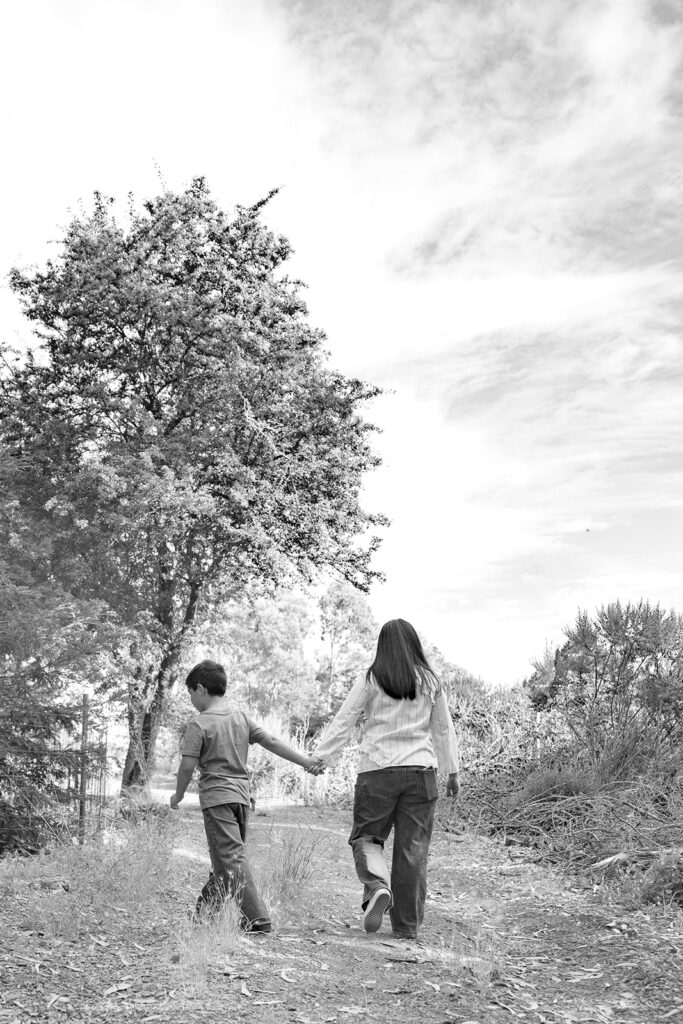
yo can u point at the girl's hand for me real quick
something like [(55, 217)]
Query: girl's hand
[(453, 784), (316, 766)]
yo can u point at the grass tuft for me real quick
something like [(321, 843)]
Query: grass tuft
[(203, 951), (663, 880), (283, 868)]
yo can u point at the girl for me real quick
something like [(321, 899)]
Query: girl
[(407, 723)]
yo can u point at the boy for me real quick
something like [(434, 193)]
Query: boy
[(217, 739)]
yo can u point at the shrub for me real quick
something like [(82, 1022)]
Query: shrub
[(552, 783), (663, 880), (618, 683)]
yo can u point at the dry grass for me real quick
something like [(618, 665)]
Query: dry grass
[(126, 881), (335, 787), (281, 872), (291, 858), (205, 950), (283, 782), (68, 890), (479, 955)]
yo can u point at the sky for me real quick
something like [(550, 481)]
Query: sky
[(485, 200)]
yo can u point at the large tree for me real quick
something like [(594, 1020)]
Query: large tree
[(182, 430)]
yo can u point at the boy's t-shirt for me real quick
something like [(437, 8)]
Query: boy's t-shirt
[(219, 739)]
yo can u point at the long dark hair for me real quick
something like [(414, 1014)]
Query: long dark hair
[(400, 662)]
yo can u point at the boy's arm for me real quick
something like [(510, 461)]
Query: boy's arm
[(276, 746), (187, 766)]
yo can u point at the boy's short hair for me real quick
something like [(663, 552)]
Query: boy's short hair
[(210, 675)]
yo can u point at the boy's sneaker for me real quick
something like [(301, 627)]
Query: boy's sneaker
[(260, 926), (194, 917), (374, 911)]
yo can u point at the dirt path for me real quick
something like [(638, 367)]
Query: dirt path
[(502, 941)]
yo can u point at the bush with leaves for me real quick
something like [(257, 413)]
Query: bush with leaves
[(617, 682), (584, 764)]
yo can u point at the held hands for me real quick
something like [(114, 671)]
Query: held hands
[(453, 785), (175, 801), (315, 766)]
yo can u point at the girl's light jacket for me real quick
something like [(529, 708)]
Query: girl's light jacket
[(396, 732)]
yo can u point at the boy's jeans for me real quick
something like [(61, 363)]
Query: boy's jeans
[(226, 833), (404, 798)]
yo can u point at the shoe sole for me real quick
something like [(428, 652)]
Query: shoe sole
[(372, 920)]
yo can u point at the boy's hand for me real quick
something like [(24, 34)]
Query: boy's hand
[(175, 800), (316, 766), (453, 784)]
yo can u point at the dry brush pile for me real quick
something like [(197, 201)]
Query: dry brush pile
[(527, 780)]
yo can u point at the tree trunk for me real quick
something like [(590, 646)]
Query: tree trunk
[(145, 718), (147, 706)]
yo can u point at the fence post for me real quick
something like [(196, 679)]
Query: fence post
[(84, 770)]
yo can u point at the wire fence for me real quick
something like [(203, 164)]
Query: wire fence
[(86, 782), (57, 790)]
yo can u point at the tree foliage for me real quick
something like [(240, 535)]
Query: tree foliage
[(180, 430), (263, 643), (349, 632)]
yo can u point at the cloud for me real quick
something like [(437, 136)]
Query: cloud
[(516, 167), (579, 113), (589, 421)]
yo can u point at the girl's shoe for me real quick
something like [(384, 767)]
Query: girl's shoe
[(374, 911)]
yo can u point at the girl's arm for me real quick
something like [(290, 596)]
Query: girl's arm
[(446, 743), (337, 733)]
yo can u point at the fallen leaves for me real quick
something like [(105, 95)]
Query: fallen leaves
[(120, 986), (582, 975), (233, 972), (56, 999)]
